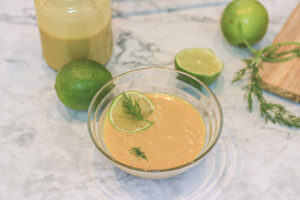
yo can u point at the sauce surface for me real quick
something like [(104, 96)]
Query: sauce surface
[(175, 138)]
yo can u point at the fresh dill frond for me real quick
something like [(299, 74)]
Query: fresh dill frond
[(275, 113), (132, 107), (137, 152)]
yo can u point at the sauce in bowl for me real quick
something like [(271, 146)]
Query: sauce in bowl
[(176, 136)]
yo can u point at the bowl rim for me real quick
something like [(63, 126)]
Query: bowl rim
[(118, 163)]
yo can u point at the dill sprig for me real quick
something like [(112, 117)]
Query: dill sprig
[(275, 113), (137, 152), (132, 107)]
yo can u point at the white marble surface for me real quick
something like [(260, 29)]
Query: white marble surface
[(45, 149)]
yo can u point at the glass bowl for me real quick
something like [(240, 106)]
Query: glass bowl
[(157, 80)]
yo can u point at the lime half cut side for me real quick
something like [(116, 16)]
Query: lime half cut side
[(125, 122), (200, 63)]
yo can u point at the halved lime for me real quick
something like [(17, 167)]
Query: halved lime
[(201, 63), (126, 122)]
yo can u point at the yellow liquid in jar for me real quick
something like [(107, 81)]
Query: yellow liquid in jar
[(74, 29), (59, 51)]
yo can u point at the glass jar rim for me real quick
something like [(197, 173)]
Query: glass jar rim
[(68, 6), (72, 2), (67, 3)]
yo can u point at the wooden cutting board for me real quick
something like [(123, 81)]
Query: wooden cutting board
[(284, 78)]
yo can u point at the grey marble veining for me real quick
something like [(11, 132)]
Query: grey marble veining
[(45, 150)]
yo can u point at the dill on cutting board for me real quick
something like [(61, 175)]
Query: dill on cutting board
[(273, 112)]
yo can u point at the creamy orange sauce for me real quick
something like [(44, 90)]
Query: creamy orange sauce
[(175, 138)]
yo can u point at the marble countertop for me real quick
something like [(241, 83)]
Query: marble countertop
[(45, 149)]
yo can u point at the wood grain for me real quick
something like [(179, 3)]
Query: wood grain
[(284, 78)]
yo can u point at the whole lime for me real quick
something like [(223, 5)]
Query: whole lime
[(251, 15), (78, 81)]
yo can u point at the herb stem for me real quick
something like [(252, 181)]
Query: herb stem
[(270, 55), (254, 51), (276, 113), (278, 60)]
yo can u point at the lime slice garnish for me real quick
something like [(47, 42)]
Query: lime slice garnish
[(125, 122), (201, 63)]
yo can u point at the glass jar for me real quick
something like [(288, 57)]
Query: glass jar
[(74, 29)]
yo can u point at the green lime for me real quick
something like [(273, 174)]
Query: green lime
[(123, 121), (251, 15), (78, 81), (200, 63)]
